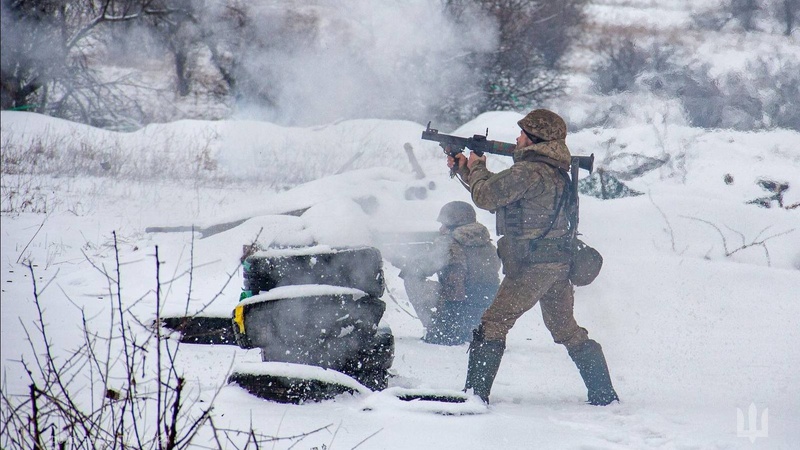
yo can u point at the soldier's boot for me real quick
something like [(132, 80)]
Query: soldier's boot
[(593, 368), (484, 360)]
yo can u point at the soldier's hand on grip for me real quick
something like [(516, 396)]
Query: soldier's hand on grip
[(473, 158)]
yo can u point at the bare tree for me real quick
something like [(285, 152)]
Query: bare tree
[(177, 28), (234, 35), (559, 27), (533, 36), (621, 64), (518, 73), (49, 58), (28, 58)]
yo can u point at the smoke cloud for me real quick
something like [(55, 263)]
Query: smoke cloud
[(330, 61), (284, 61)]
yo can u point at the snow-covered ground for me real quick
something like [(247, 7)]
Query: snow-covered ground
[(691, 335)]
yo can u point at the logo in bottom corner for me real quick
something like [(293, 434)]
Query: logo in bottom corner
[(751, 428)]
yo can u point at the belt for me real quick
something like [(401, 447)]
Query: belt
[(550, 250)]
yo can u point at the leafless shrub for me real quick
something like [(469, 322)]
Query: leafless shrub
[(762, 96), (779, 79), (750, 15), (56, 154), (525, 68), (118, 389), (623, 164), (23, 194), (105, 393), (625, 60), (730, 249), (741, 13)]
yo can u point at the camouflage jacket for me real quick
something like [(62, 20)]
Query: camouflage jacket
[(461, 260), (526, 196)]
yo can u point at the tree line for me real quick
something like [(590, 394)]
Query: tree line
[(55, 55), (84, 60)]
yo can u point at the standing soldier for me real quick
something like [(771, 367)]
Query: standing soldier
[(529, 200), (467, 267)]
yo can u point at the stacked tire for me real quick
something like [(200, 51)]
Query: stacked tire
[(315, 306), (360, 268)]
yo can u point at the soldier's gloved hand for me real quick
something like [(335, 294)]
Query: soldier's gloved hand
[(462, 170), (473, 159)]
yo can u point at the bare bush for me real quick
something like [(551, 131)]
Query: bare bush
[(23, 193), (525, 68), (117, 389), (751, 15), (761, 96), (728, 101), (744, 14), (730, 249), (105, 393), (56, 154), (623, 61), (782, 88)]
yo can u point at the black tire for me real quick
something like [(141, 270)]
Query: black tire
[(371, 366), (283, 389), (202, 329), (360, 268), (325, 331)]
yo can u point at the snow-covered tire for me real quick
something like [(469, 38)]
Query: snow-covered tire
[(360, 268), (325, 330), (284, 389), (371, 365), (201, 329)]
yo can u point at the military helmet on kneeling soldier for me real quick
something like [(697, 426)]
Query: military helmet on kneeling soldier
[(544, 124), (456, 213)]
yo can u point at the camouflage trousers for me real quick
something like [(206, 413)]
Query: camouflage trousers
[(424, 296), (448, 322), (523, 287)]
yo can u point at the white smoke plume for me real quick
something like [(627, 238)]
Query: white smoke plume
[(332, 60)]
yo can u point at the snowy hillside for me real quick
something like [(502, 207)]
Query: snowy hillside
[(691, 334)]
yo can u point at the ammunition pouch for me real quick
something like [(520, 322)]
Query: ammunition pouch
[(586, 263), (523, 252)]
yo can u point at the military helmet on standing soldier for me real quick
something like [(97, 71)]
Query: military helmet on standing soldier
[(544, 124), (457, 213)]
